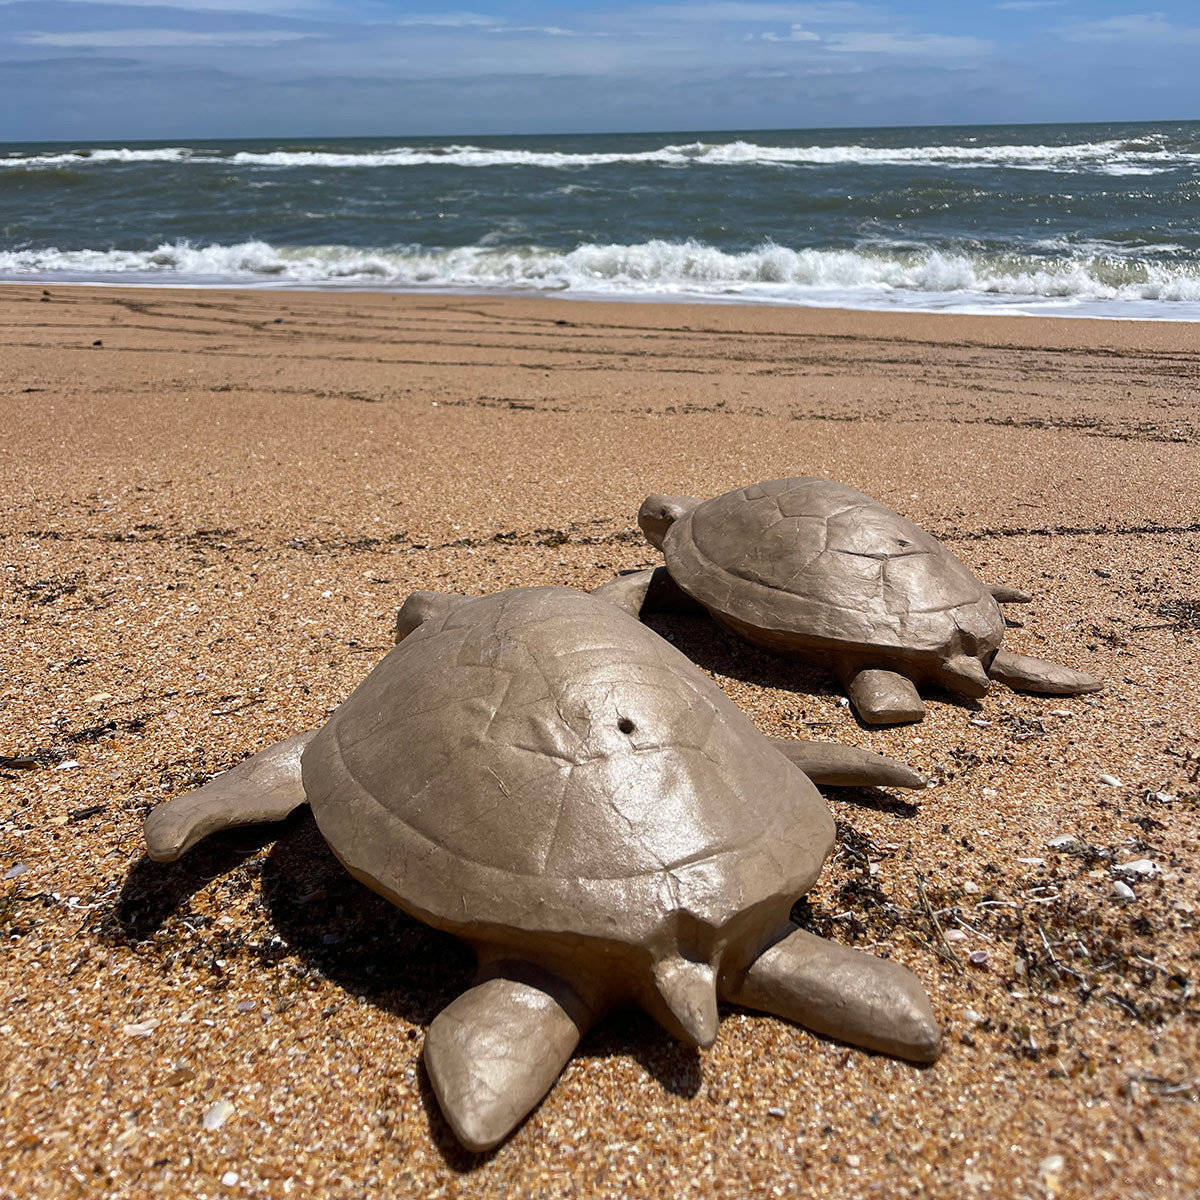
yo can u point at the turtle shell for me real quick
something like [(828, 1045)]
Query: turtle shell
[(812, 565), (537, 766)]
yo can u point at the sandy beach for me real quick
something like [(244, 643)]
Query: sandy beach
[(213, 504)]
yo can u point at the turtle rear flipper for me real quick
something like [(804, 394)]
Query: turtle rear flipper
[(1025, 673), (840, 993), (264, 788), (493, 1053)]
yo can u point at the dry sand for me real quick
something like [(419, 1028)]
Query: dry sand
[(213, 504)]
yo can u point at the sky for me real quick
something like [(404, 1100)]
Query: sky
[(174, 69)]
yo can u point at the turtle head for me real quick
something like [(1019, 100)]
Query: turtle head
[(658, 513), (424, 606)]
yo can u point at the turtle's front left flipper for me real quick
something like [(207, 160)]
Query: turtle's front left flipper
[(1028, 674), (493, 1053), (264, 788), (831, 764), (841, 993)]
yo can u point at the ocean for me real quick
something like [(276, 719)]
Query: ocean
[(1063, 220)]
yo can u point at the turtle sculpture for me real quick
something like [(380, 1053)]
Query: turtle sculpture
[(542, 775), (816, 569)]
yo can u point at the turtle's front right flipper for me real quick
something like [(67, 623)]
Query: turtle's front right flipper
[(266, 787)]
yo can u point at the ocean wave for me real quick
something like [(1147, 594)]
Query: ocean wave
[(690, 269), (1113, 157), (103, 157)]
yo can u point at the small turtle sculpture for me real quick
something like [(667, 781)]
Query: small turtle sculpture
[(816, 569), (542, 775)]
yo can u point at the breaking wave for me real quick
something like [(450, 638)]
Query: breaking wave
[(83, 158), (874, 277), (1146, 156)]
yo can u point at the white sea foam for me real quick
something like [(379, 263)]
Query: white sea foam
[(1112, 157), (873, 277), (119, 154)]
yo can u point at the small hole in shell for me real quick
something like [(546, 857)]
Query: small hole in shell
[(625, 725)]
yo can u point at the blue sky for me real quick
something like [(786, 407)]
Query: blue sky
[(173, 69)]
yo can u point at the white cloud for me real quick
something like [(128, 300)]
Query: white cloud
[(459, 20), (545, 30), (797, 33), (111, 38), (931, 45), (1139, 27), (476, 21), (780, 14), (298, 8)]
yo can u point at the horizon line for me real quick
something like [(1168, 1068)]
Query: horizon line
[(596, 133)]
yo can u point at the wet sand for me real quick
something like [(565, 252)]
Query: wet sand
[(213, 503)]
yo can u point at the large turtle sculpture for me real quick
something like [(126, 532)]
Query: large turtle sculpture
[(542, 775), (816, 569)]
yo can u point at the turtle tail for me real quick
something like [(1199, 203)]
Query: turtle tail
[(264, 788)]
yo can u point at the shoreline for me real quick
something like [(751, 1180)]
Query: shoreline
[(746, 319), (215, 500), (983, 309)]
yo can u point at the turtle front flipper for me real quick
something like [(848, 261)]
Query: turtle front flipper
[(647, 591), (885, 698), (266, 787), (493, 1053), (1028, 674), (841, 993), (831, 764)]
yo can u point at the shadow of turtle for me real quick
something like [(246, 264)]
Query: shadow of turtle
[(153, 891), (343, 931), (714, 648), (676, 1066), (353, 936), (366, 945), (719, 651), (877, 799)]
